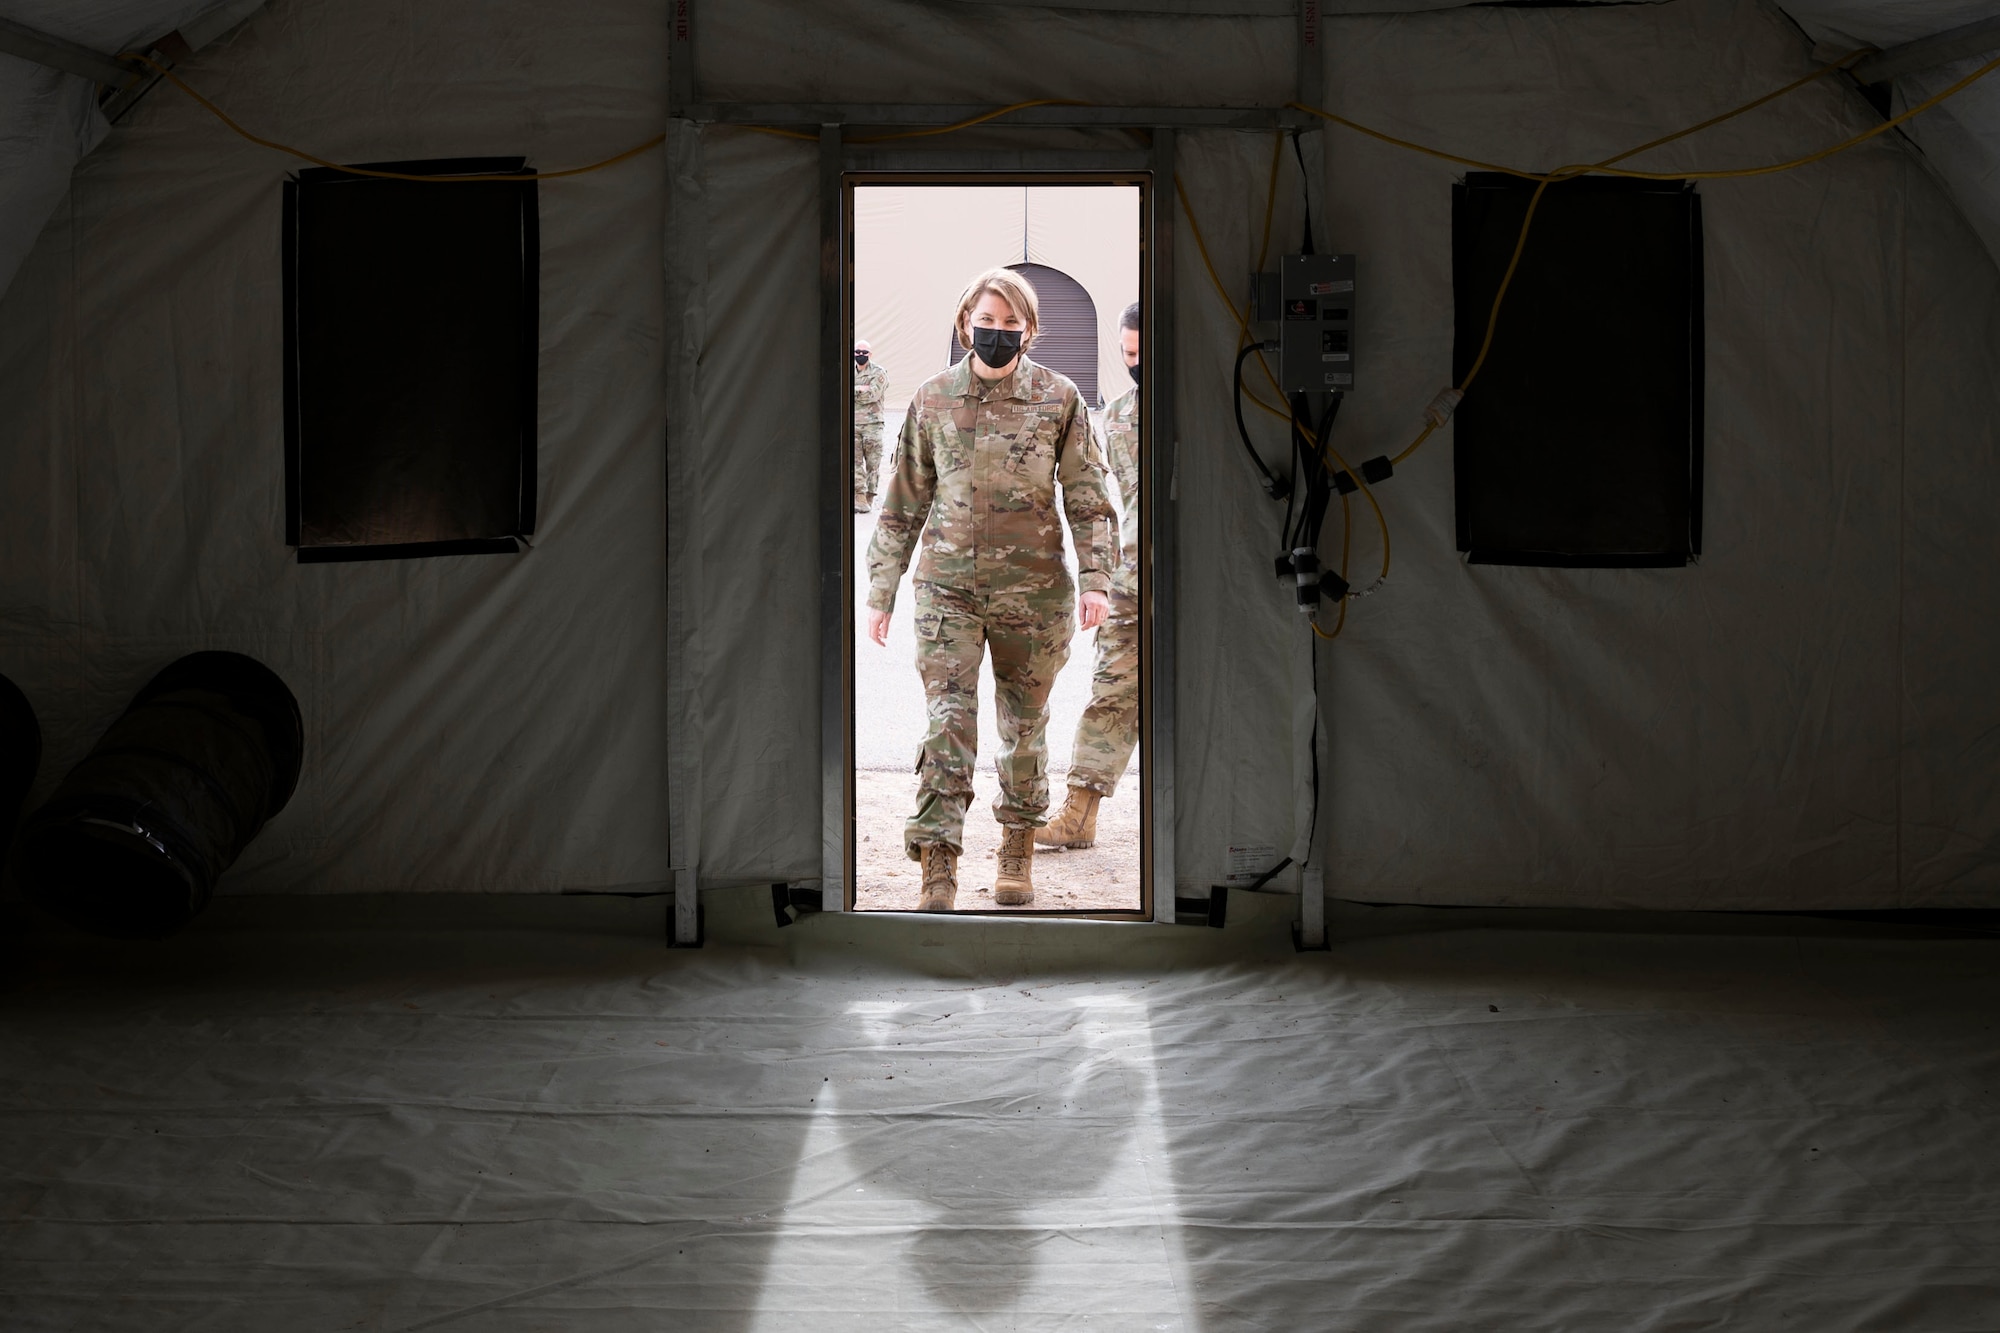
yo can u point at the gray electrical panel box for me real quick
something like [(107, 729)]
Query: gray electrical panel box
[(1316, 326)]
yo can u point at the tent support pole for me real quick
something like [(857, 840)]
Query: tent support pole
[(1312, 64), (18, 39), (804, 114), (1973, 39), (682, 89), (1161, 446), (836, 529)]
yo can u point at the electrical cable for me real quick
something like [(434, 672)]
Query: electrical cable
[(1445, 403), (1346, 545), (1324, 431), (1435, 420), (318, 161), (1440, 412), (1270, 482), (1288, 534), (1442, 155), (1305, 193), (1442, 407), (925, 132), (1242, 321), (1894, 122), (970, 122), (1319, 476), (654, 142), (1291, 493)]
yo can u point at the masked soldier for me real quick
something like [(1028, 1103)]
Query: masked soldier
[(871, 386), (977, 467), (1109, 727)]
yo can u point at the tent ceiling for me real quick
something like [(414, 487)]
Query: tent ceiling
[(1960, 139), (50, 120)]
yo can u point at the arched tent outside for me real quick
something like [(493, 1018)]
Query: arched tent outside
[(915, 246), (1783, 726), (1067, 342)]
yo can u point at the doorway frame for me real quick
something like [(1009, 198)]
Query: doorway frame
[(842, 169), (688, 106)]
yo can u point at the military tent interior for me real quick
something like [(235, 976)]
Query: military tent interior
[(1629, 963)]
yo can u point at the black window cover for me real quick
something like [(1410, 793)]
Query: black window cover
[(1067, 340), (411, 331), (1580, 442)]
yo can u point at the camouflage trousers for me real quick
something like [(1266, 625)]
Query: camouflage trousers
[(1109, 727), (867, 460), (1028, 635)]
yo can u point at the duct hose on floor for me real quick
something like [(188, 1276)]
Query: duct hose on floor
[(20, 755), (134, 839)]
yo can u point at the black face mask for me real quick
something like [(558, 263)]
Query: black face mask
[(861, 358), (996, 347), (1133, 370)]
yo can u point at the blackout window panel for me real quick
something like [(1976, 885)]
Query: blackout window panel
[(1580, 442), (411, 335)]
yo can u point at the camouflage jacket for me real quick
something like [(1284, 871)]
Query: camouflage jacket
[(871, 386), (1121, 442), (976, 470)]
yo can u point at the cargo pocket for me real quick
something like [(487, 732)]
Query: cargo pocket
[(930, 624)]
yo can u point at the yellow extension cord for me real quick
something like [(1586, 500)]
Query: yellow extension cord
[(316, 160), (1543, 180), (1434, 418)]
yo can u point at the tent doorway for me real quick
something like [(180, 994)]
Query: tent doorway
[(982, 706)]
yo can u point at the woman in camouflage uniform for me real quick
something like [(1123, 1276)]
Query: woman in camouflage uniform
[(977, 467)]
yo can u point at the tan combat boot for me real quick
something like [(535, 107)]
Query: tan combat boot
[(1076, 826), (1014, 886), (940, 878)]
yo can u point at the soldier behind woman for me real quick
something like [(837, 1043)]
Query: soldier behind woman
[(1109, 727), (976, 470), (871, 387)]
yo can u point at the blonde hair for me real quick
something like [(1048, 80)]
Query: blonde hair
[(1010, 287)]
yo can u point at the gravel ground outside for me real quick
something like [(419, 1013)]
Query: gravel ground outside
[(1101, 878)]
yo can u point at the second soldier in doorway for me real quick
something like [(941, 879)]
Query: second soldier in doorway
[(1109, 727), (977, 470), (871, 386)]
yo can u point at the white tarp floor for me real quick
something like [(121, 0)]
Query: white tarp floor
[(363, 1114)]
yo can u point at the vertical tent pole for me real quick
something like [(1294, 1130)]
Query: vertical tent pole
[(1312, 908), (1311, 89), (1160, 445), (1312, 67), (1312, 875), (683, 224), (684, 930), (682, 90), (836, 529)]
